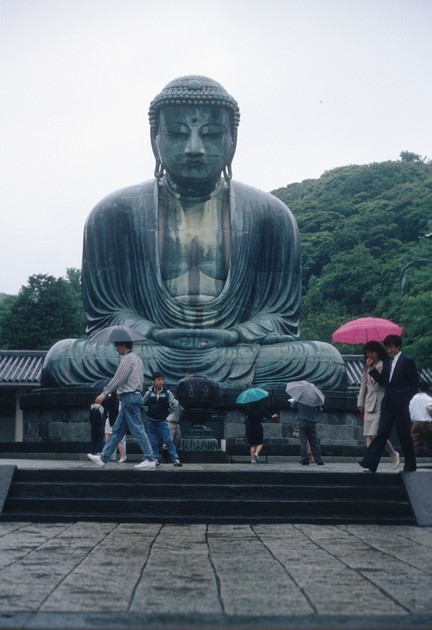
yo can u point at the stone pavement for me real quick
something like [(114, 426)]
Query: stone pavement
[(109, 575)]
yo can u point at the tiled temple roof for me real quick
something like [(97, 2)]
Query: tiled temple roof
[(21, 366)]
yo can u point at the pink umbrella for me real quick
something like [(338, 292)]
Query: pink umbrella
[(366, 329)]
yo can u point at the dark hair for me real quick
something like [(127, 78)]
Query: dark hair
[(126, 344), (374, 346), (156, 375), (423, 386), (393, 340)]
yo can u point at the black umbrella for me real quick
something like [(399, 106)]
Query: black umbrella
[(117, 334)]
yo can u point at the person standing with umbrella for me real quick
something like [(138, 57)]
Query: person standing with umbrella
[(308, 400), (370, 396), (128, 382), (398, 385), (401, 381), (256, 412)]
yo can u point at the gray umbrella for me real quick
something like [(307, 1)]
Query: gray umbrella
[(117, 334), (305, 393)]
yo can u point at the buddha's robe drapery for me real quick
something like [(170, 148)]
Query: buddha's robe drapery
[(260, 299)]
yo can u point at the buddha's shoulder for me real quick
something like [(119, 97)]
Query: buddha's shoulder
[(259, 198), (145, 194), (127, 197)]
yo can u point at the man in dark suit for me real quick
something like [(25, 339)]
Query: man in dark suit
[(400, 379)]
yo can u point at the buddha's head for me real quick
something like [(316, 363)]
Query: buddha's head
[(194, 125)]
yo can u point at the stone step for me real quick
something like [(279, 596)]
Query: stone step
[(215, 511), (203, 496), (327, 492)]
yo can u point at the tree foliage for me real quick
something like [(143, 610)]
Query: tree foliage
[(46, 310), (364, 251), (408, 156)]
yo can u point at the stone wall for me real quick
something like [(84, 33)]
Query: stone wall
[(57, 415), (63, 416), (335, 427)]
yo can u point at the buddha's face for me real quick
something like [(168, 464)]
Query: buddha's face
[(194, 143)]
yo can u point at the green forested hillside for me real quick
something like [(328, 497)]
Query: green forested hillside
[(364, 249)]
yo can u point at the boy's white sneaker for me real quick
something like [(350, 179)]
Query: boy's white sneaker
[(96, 460), (146, 465)]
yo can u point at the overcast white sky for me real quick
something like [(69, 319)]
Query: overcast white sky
[(320, 84)]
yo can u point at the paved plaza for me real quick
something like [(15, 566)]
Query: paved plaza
[(111, 575)]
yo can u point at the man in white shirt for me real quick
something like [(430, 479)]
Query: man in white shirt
[(420, 409)]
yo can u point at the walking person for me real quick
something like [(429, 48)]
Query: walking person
[(370, 397), (96, 428), (159, 402), (255, 414), (173, 420), (420, 409), (111, 408), (295, 434), (128, 382), (401, 381), (174, 424), (307, 418)]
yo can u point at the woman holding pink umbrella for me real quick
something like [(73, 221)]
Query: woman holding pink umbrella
[(369, 331), (370, 397)]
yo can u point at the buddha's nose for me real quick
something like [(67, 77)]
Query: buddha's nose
[(194, 143)]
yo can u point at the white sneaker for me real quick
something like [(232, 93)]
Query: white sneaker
[(146, 465), (122, 460), (96, 460)]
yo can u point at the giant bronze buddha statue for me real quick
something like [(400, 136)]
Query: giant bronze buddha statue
[(208, 269)]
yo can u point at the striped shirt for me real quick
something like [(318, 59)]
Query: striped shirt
[(129, 376)]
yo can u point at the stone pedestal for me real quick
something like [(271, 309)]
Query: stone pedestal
[(198, 395), (199, 438), (60, 417)]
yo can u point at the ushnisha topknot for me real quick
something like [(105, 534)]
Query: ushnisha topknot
[(194, 90)]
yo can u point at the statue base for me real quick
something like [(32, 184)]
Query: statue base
[(58, 420), (199, 438)]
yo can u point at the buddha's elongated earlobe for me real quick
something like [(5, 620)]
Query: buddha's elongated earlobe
[(227, 172), (159, 169)]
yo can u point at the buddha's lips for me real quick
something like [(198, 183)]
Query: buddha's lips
[(193, 162)]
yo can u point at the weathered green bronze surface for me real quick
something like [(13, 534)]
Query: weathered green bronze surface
[(206, 267)]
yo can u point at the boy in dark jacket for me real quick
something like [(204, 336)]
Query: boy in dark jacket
[(159, 402)]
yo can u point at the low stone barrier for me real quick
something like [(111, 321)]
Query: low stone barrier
[(62, 415)]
